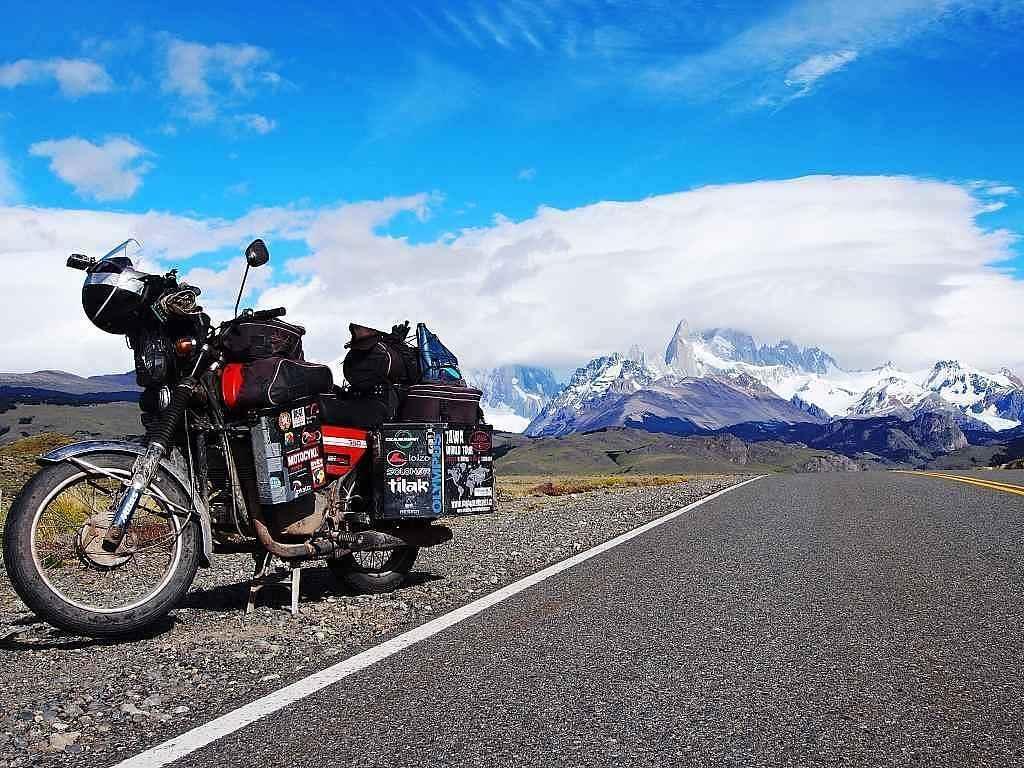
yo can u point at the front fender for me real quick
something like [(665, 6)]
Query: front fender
[(122, 446)]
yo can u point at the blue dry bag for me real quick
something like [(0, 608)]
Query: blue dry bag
[(437, 363)]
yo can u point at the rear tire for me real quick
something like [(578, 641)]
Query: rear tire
[(371, 578), (25, 568)]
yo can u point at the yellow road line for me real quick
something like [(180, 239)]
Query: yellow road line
[(992, 485), (1000, 483)]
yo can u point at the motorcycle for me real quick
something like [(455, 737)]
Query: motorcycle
[(108, 535)]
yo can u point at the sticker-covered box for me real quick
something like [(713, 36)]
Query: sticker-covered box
[(433, 470), (287, 446)]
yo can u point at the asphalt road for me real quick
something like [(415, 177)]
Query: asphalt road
[(845, 619)]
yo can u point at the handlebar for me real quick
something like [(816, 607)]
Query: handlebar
[(254, 314), (269, 314), (79, 261)]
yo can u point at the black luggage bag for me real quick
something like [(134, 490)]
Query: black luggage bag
[(376, 359), (275, 381), (250, 340), (449, 403)]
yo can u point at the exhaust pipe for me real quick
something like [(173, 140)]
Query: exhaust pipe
[(418, 536)]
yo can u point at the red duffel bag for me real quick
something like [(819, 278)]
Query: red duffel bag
[(273, 381)]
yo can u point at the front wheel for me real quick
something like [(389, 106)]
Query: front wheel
[(53, 555), (375, 572)]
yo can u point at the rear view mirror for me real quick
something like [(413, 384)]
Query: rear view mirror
[(256, 255)]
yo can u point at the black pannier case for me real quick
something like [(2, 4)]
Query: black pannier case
[(449, 403), (278, 381), (433, 470), (251, 340)]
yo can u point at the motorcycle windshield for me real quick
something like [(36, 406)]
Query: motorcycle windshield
[(130, 249)]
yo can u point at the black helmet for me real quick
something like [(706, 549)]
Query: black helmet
[(114, 294)]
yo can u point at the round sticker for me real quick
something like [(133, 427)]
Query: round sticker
[(404, 438), (481, 442), (397, 459)]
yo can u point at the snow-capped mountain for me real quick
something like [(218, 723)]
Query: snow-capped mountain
[(890, 396), (813, 380), (599, 384), (617, 391), (739, 347), (513, 394)]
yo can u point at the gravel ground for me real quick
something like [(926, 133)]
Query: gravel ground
[(68, 699)]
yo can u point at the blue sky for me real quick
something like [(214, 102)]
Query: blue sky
[(497, 109)]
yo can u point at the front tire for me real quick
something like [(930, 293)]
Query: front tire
[(58, 571), (375, 572)]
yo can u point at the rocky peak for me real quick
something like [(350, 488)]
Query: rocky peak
[(679, 355), (937, 431), (1014, 379)]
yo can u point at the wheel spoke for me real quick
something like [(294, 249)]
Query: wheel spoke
[(67, 536)]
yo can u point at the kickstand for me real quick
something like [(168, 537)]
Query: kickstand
[(264, 576)]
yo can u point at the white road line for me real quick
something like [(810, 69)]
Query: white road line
[(199, 737)]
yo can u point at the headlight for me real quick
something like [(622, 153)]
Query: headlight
[(151, 361)]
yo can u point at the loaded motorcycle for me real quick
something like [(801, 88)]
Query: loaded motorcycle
[(248, 448)]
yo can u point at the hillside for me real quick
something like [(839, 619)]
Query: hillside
[(616, 451), (81, 421)]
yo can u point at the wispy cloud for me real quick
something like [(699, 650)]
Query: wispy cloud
[(74, 77), (434, 92), (112, 170), (497, 33), (685, 48), (517, 25), (527, 174), (207, 78), (520, 24), (805, 74), (463, 28), (256, 123), (786, 54)]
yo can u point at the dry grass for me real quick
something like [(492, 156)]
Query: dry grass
[(537, 485), (18, 464), (30, 447)]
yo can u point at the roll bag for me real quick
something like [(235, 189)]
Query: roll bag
[(251, 340), (449, 403), (376, 359), (273, 381)]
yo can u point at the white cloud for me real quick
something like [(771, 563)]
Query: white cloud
[(527, 174), (112, 170), (864, 266), (206, 77), (870, 268), (808, 72), (256, 123), (47, 297), (74, 77)]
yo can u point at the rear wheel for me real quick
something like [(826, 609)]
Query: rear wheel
[(375, 572), (56, 564)]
